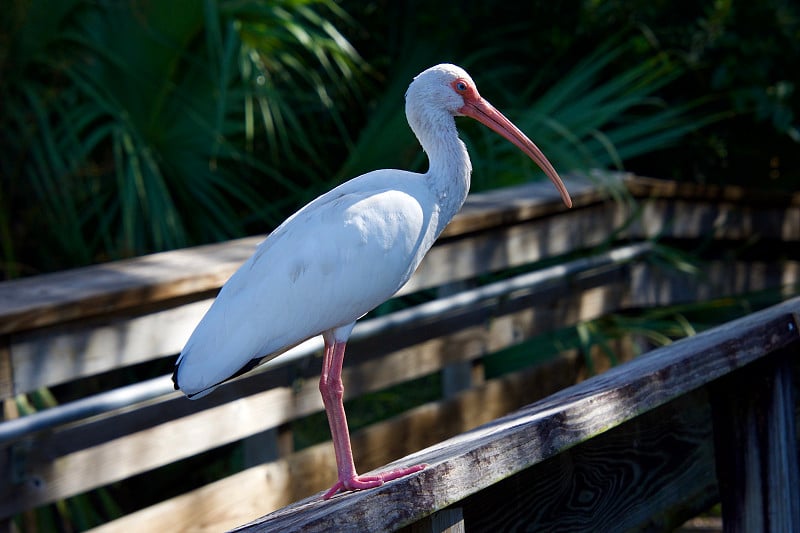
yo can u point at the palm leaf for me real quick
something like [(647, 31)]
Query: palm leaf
[(583, 122), (156, 137)]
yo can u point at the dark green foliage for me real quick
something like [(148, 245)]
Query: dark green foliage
[(132, 127), (129, 128), (742, 57)]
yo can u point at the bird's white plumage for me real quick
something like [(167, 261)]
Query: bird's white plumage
[(350, 249), (345, 253), (332, 262), (341, 255)]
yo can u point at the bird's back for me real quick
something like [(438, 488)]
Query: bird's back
[(327, 265)]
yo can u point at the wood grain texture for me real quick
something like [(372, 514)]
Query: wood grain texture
[(109, 316), (43, 358), (195, 272), (651, 473), (56, 355), (272, 486), (69, 460), (111, 287), (99, 451), (756, 443), (464, 465), (643, 187), (450, 520)]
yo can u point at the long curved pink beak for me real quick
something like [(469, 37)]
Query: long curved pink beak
[(482, 111)]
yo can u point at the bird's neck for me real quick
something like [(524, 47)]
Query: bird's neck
[(450, 168)]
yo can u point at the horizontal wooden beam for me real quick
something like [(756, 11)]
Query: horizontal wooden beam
[(143, 281), (43, 358), (271, 486), (382, 335), (651, 473), (79, 350), (250, 406), (164, 431), (192, 273), (643, 187), (464, 465)]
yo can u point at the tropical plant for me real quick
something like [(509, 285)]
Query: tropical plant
[(589, 119), (129, 127)]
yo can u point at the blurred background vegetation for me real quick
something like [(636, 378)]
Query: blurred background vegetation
[(132, 127)]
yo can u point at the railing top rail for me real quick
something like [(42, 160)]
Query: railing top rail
[(465, 464), (192, 272), (101, 289)]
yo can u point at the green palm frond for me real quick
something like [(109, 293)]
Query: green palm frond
[(164, 129), (588, 119)]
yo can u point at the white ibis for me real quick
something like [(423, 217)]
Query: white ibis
[(344, 254)]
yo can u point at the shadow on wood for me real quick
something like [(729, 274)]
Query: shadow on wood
[(630, 448), (64, 327)]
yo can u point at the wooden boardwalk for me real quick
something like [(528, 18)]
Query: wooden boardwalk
[(619, 451), (64, 327)]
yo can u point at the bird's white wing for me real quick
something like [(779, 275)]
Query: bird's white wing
[(329, 264)]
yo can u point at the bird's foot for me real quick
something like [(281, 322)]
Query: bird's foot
[(367, 482)]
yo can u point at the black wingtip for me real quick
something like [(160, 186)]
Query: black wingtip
[(175, 378), (246, 368)]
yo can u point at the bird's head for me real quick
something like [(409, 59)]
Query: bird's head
[(444, 86), (448, 87)]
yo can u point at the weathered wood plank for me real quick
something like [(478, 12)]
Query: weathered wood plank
[(43, 358), (107, 288), (272, 486), (512, 205), (653, 286), (643, 187), (479, 335), (46, 357), (651, 473), (506, 247), (689, 219), (374, 337), (48, 479), (73, 351), (54, 458), (137, 283), (449, 520), (464, 465), (110, 287), (756, 443)]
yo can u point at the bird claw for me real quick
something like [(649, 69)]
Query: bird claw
[(368, 482)]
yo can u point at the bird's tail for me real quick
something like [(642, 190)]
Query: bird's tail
[(193, 395), (252, 363)]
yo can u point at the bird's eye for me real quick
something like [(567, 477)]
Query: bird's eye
[(461, 86)]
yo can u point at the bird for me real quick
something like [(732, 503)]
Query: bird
[(345, 253)]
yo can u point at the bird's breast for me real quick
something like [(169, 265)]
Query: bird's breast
[(325, 267)]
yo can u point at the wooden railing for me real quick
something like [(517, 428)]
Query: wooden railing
[(667, 434), (64, 327)]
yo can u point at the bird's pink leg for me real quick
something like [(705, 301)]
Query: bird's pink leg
[(332, 389)]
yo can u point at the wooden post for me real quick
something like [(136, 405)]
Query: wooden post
[(456, 377), (269, 445), (8, 410), (756, 446), (450, 520)]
